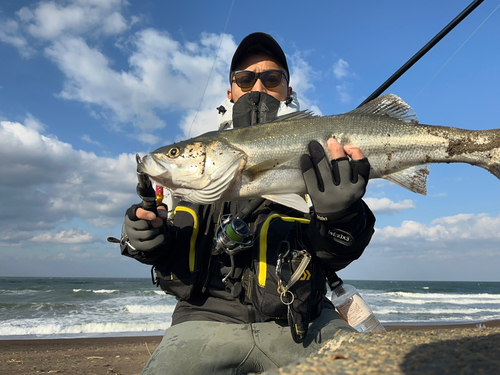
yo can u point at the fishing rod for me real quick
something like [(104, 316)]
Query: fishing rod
[(145, 190), (422, 51)]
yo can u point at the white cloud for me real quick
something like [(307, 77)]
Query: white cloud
[(12, 236), (340, 69), (51, 19), (45, 182), (446, 237), (343, 91), (10, 33), (86, 138), (163, 74), (194, 123), (452, 228), (301, 77), (65, 236), (147, 138), (33, 123), (301, 74), (388, 207), (341, 73)]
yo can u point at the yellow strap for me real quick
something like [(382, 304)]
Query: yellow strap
[(263, 244), (194, 235)]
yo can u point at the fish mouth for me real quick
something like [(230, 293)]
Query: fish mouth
[(156, 169)]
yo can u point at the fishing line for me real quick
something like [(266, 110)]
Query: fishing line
[(452, 56), (211, 70)]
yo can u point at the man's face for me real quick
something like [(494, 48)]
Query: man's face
[(260, 63)]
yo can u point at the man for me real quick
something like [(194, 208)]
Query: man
[(257, 303)]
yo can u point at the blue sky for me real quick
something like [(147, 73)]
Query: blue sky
[(86, 84)]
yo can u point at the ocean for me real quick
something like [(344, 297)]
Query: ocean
[(97, 307)]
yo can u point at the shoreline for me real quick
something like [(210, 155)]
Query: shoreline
[(433, 326), (127, 355), (410, 326), (79, 341)]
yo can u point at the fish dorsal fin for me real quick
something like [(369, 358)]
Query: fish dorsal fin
[(300, 115), (294, 201), (413, 179), (388, 105)]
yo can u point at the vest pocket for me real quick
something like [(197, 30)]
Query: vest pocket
[(261, 282), (178, 275)]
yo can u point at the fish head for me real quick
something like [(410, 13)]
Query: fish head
[(199, 170)]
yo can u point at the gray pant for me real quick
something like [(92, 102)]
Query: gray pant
[(194, 348)]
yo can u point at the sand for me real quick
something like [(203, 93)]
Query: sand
[(85, 356), (456, 349)]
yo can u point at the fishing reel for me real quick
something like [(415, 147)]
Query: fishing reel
[(232, 236)]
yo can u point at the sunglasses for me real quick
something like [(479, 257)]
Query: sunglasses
[(245, 79)]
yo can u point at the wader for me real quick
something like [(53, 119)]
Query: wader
[(199, 348)]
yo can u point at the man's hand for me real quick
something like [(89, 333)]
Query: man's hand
[(338, 151), (144, 230), (334, 186), (156, 222)]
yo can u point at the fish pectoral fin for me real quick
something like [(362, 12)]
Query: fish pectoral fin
[(413, 179), (257, 170), (294, 201), (216, 188)]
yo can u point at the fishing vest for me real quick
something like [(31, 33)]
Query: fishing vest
[(272, 275)]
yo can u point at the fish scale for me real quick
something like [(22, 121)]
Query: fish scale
[(262, 160)]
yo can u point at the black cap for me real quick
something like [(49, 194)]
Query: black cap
[(255, 43)]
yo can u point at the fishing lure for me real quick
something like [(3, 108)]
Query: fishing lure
[(159, 194)]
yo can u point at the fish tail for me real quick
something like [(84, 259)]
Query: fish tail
[(488, 146), (495, 170), (477, 147)]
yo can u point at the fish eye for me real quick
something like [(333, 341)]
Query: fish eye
[(174, 152)]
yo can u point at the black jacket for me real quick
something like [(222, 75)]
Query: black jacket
[(186, 268)]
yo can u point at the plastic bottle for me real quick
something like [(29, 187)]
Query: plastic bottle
[(353, 308)]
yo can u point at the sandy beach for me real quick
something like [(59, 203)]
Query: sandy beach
[(85, 356), (356, 354)]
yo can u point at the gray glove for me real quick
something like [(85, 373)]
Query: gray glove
[(139, 235), (335, 187)]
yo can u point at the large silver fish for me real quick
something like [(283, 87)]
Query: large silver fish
[(263, 160)]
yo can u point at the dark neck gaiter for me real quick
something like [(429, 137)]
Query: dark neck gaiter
[(254, 108)]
